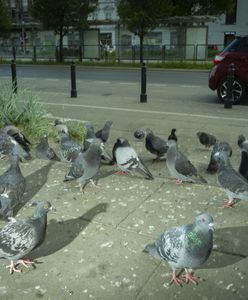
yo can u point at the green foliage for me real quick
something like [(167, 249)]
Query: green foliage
[(62, 15), (5, 23), (24, 110)]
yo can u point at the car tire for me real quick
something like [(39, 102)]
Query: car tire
[(239, 90)]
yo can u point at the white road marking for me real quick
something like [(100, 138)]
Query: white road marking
[(122, 109), (189, 86)]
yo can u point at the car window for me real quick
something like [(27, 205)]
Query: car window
[(241, 46)]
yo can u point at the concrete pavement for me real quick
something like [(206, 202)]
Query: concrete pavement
[(94, 243)]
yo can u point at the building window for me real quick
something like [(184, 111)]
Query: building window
[(231, 16)]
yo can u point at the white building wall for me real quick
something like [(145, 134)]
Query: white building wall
[(218, 28)]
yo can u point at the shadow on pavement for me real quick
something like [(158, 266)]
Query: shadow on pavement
[(231, 247), (61, 234), (34, 183)]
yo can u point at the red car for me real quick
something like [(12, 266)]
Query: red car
[(236, 52)]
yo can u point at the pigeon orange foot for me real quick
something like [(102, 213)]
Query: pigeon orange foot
[(175, 279), (24, 262), (190, 278)]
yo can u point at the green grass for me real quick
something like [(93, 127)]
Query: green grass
[(24, 110)]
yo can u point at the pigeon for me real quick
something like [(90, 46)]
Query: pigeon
[(69, 149), (103, 133), (218, 147), (180, 166), (206, 139), (6, 205), (9, 145), (19, 237), (60, 126), (185, 247), (139, 134), (86, 165), (127, 159), (155, 144), (90, 137), (44, 151), (13, 181), (16, 134), (233, 183), (243, 166), (172, 135)]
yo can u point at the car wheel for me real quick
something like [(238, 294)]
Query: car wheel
[(239, 90)]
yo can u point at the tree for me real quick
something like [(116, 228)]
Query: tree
[(5, 23), (141, 16), (61, 15)]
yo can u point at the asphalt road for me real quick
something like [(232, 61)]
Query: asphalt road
[(199, 78)]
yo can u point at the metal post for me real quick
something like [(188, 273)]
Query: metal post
[(34, 54), (80, 53), (228, 100), (73, 81), (163, 53), (143, 96), (14, 52), (13, 74)]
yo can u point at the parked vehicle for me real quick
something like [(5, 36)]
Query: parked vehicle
[(236, 52)]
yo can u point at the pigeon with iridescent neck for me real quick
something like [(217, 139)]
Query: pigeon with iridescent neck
[(185, 247)]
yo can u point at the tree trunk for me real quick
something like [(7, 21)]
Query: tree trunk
[(61, 54), (141, 48)]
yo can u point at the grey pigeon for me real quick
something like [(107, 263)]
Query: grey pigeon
[(19, 238), (69, 149), (90, 137), (86, 166), (44, 151), (13, 182), (243, 166), (60, 126), (185, 247), (6, 205), (139, 134), (9, 146), (128, 160), (155, 145), (218, 147), (180, 167), (233, 183), (15, 133), (173, 135), (103, 133), (206, 139)]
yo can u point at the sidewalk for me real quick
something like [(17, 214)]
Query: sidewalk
[(94, 243)]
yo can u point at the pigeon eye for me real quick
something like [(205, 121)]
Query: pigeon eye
[(203, 220)]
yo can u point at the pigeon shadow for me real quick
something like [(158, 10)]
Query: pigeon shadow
[(231, 247), (62, 233), (34, 183)]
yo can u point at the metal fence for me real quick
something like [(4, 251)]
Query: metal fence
[(200, 52)]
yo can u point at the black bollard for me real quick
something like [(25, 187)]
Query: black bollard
[(73, 81), (13, 75), (228, 100), (143, 96)]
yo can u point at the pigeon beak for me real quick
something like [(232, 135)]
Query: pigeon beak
[(52, 209), (211, 226)]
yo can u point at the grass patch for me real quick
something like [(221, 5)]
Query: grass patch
[(24, 111)]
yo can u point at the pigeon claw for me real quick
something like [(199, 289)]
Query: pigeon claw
[(179, 181), (190, 278), (121, 172), (175, 279), (228, 203)]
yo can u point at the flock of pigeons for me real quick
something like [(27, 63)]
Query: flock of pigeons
[(183, 247)]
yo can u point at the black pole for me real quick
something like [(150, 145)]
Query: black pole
[(14, 52), (34, 54), (143, 96), (73, 81), (228, 100), (13, 75)]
